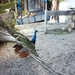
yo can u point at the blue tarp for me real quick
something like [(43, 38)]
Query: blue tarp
[(19, 6), (44, 1)]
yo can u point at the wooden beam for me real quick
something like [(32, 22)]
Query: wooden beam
[(55, 13)]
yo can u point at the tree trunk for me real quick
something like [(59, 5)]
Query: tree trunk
[(41, 4), (9, 1), (15, 11), (25, 4), (2, 2)]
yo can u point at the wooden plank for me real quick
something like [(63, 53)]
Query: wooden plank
[(68, 12)]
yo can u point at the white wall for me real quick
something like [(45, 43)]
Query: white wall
[(71, 3), (63, 6)]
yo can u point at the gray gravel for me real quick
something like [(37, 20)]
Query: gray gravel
[(58, 51)]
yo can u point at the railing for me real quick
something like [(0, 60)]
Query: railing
[(57, 13)]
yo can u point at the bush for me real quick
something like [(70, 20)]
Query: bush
[(5, 6)]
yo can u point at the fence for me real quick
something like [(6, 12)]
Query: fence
[(57, 13)]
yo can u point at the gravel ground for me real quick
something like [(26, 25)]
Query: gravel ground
[(58, 51)]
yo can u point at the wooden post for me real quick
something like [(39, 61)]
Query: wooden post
[(55, 7), (58, 9), (74, 25), (45, 22), (45, 18)]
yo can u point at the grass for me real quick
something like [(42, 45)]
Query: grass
[(59, 31)]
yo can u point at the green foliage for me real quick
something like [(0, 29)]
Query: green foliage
[(5, 6), (25, 12), (11, 23), (10, 5)]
